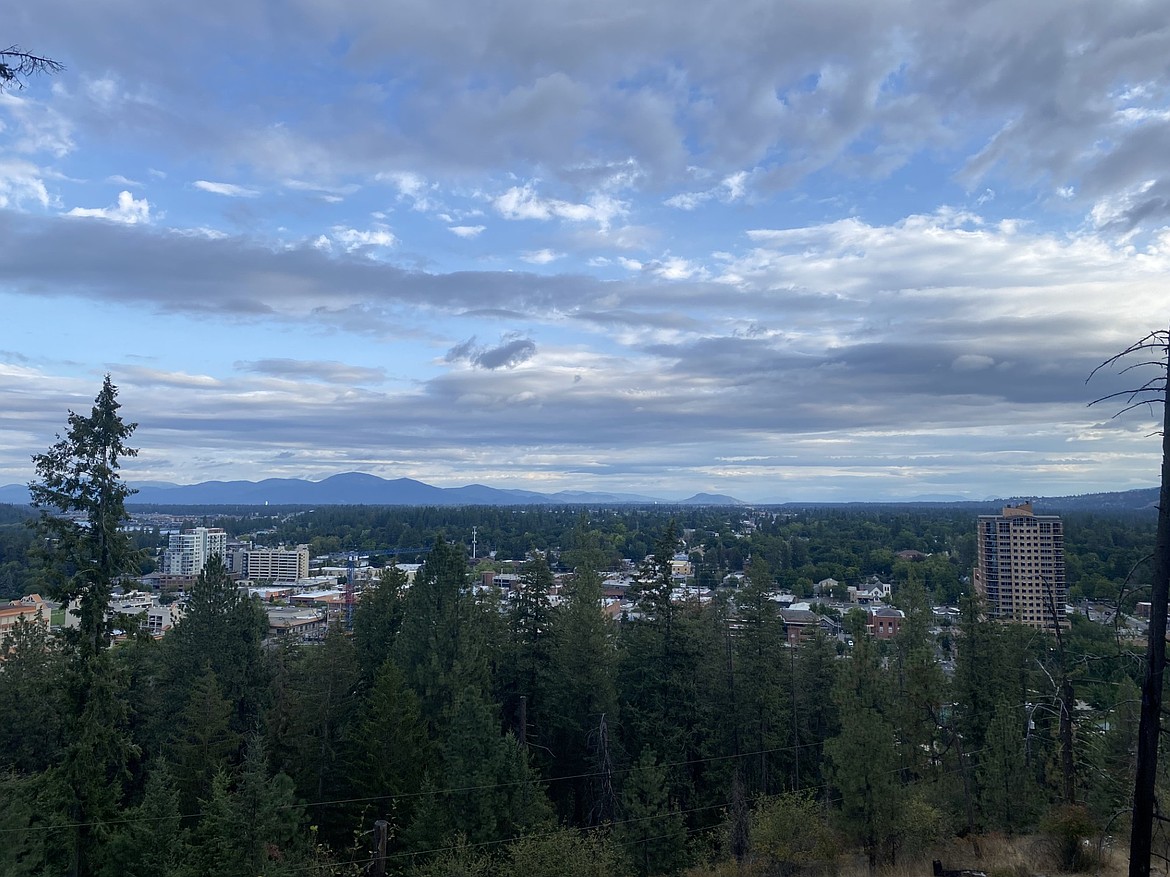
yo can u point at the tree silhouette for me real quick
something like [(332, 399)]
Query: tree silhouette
[(1151, 351)]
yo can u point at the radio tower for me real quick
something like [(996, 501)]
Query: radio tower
[(474, 531)]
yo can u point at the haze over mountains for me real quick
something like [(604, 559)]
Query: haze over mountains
[(356, 488)]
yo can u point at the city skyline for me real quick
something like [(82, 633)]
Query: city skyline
[(834, 252)]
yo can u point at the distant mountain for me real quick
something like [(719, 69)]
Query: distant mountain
[(711, 499), (356, 488)]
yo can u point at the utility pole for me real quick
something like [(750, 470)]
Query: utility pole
[(381, 834), (524, 721)]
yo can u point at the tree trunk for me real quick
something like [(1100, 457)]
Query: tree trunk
[(1150, 726)]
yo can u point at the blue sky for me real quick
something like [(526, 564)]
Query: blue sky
[(809, 251)]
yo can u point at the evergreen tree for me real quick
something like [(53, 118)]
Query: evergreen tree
[(525, 673), (202, 743), (490, 791), (583, 659), (252, 829), (322, 703), (918, 685), (150, 841), (1006, 792), (651, 828), (377, 619), (83, 504), (762, 681), (863, 758), (81, 498), (31, 703), (387, 750), (221, 630), (434, 636)]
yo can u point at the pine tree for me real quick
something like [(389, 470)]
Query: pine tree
[(150, 841), (203, 742), (762, 678), (82, 501), (377, 619), (222, 630), (651, 828), (83, 504), (31, 703), (583, 660), (1006, 791), (525, 672), (386, 749)]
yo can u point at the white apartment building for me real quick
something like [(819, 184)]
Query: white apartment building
[(1020, 571), (275, 564), (189, 551)]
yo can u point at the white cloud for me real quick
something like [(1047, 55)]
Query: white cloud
[(128, 210), (354, 239), (970, 362), (522, 202), (228, 190), (411, 186), (20, 182), (736, 185), (39, 128), (541, 257), (687, 200), (466, 231)]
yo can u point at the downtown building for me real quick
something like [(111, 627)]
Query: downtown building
[(1019, 572), (188, 552), (272, 564)]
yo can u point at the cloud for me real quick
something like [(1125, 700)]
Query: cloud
[(353, 239), (21, 182), (522, 202), (329, 372), (510, 353), (541, 257), (466, 232), (128, 210), (228, 190)]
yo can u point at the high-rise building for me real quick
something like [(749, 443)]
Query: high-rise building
[(189, 551), (1019, 572), (275, 564)]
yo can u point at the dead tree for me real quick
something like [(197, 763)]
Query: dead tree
[(1153, 350), (17, 65)]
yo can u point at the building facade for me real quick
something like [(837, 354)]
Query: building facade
[(275, 564), (188, 552), (1019, 573)]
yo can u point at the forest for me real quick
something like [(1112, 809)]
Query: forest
[(532, 736)]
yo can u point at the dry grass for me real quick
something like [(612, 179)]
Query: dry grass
[(996, 855)]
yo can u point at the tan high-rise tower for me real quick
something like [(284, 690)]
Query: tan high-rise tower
[(1019, 572)]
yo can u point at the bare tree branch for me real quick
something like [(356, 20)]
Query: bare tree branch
[(17, 65), (1146, 811)]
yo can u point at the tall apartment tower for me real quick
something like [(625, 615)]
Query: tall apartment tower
[(1019, 572), (187, 552)]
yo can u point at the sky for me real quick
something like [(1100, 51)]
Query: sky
[(803, 251)]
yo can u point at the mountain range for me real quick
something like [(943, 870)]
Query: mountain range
[(356, 488)]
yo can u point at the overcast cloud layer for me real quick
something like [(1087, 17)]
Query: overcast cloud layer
[(823, 251)]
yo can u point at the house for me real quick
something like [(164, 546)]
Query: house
[(31, 609), (799, 625), (298, 623), (884, 622)]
